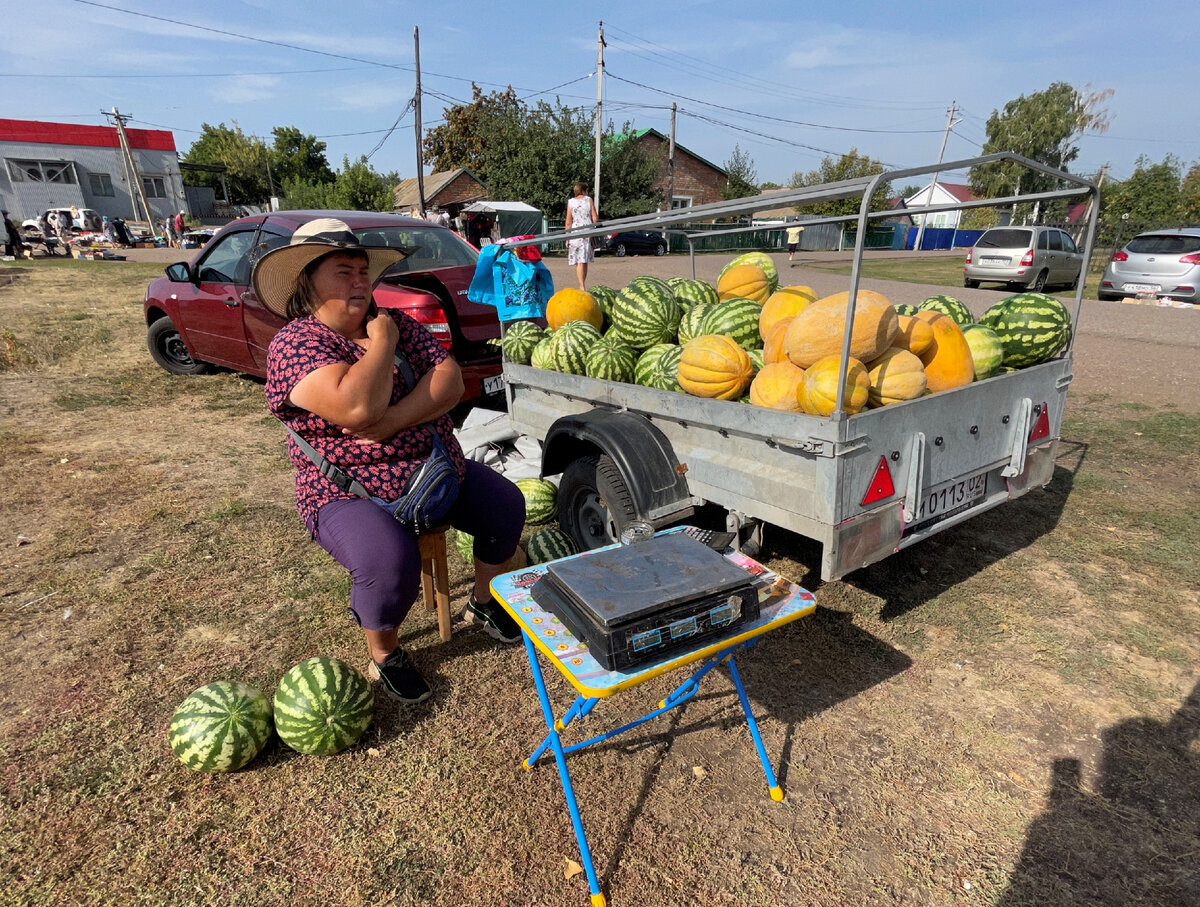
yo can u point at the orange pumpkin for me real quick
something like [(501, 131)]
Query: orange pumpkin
[(783, 303), (744, 282), (713, 365), (948, 361), (570, 304), (818, 396), (915, 335), (817, 331), (895, 376), (773, 347), (777, 386)]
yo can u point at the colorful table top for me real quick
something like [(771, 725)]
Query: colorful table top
[(780, 602)]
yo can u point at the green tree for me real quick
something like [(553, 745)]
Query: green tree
[(1189, 197), (849, 166), (628, 174), (477, 134), (296, 156), (246, 158), (1151, 196), (1042, 127), (356, 187), (741, 175)]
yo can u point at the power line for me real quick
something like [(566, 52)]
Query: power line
[(172, 75)]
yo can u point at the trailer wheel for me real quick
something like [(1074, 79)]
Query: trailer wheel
[(594, 503)]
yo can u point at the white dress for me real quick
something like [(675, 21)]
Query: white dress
[(579, 251)]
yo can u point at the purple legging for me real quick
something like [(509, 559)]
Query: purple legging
[(381, 555)]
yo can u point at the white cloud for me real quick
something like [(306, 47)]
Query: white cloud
[(243, 89)]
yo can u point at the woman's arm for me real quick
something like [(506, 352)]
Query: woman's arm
[(353, 396), (438, 391), (595, 216), (568, 226)]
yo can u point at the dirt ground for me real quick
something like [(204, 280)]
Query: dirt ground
[(1006, 714)]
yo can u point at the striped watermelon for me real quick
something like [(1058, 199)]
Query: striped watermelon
[(644, 367), (692, 323), (541, 357), (645, 313), (570, 345), (541, 500), (664, 373), (763, 261), (904, 308), (691, 293), (464, 542), (604, 296), (736, 318), (947, 305), (756, 359), (674, 282), (520, 338), (654, 283), (1032, 327), (549, 544), (986, 349), (610, 359), (322, 706), (220, 726)]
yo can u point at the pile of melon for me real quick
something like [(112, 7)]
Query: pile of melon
[(751, 340)]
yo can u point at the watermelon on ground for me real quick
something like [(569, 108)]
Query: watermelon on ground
[(220, 726), (949, 306), (1032, 327), (322, 706), (549, 544), (541, 499), (464, 543), (763, 261)]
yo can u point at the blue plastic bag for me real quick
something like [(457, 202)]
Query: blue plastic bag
[(517, 289)]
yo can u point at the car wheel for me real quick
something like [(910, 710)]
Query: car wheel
[(660, 250), (970, 284), (594, 503), (1039, 282), (620, 250), (169, 351)]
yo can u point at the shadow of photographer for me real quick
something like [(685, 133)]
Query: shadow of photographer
[(1136, 839)]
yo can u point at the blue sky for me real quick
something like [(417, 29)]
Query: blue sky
[(787, 81)]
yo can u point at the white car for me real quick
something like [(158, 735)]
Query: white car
[(87, 220)]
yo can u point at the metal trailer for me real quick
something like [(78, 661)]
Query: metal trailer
[(863, 485)]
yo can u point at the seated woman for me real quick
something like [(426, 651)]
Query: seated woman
[(332, 378)]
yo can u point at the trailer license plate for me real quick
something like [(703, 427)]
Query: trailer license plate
[(948, 499), (493, 385)]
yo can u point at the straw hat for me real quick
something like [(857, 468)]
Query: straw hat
[(275, 274)]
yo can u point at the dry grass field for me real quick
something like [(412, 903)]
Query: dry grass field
[(1007, 714)]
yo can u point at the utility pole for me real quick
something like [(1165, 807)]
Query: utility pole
[(599, 114), (671, 162), (131, 168), (417, 124), (950, 123)]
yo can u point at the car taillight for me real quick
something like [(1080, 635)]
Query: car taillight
[(434, 321), (969, 255), (1120, 255), (1192, 259), (612, 235), (1027, 258)]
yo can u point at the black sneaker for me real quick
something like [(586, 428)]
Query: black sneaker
[(400, 679), (493, 618)]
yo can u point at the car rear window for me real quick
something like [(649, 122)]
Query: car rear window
[(1164, 245), (429, 249), (1006, 239)]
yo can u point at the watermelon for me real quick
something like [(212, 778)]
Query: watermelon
[(644, 367), (690, 293), (549, 544), (220, 726), (604, 297), (610, 359), (464, 542), (541, 500), (541, 356), (947, 305), (664, 373), (520, 338), (692, 323), (646, 313), (570, 345), (674, 282), (763, 261), (322, 706), (903, 308), (986, 349), (1032, 327), (756, 359), (735, 318)]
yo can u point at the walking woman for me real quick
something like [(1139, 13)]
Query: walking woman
[(581, 212)]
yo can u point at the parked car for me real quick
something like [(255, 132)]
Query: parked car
[(1158, 263), (205, 312), (1023, 258), (86, 219), (634, 242)]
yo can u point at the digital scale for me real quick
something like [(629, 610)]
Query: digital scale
[(636, 603)]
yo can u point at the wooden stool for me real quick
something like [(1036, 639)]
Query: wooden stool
[(435, 576)]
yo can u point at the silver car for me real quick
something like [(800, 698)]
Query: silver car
[(1159, 263), (1023, 257)]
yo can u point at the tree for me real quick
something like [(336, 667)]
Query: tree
[(740, 175), (246, 158), (471, 134), (296, 156), (357, 187), (1151, 196), (1042, 127), (849, 166), (1189, 197)]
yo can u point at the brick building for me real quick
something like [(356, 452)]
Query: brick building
[(447, 190), (697, 181)]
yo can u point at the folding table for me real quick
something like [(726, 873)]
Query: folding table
[(780, 602)]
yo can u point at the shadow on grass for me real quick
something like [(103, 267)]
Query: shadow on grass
[(1136, 839)]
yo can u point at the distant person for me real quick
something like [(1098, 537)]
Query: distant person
[(107, 227), (793, 239), (121, 232), (14, 245), (581, 212), (62, 225), (180, 227)]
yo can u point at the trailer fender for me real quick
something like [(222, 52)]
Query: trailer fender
[(656, 480)]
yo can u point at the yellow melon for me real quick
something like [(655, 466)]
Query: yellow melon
[(817, 331), (914, 335), (777, 386), (895, 376), (818, 396), (570, 304), (713, 365), (783, 303), (773, 345), (948, 361), (744, 282)]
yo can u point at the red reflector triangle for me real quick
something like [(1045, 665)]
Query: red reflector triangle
[(1041, 425), (881, 484)]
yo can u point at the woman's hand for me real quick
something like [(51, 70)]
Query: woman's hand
[(382, 331), (373, 434)]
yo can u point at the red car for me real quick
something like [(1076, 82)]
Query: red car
[(206, 313)]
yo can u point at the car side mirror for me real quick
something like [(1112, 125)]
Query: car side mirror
[(179, 272)]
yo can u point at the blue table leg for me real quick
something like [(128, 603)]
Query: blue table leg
[(579, 709), (776, 790), (561, 760)]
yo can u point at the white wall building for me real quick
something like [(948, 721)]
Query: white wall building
[(943, 194)]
